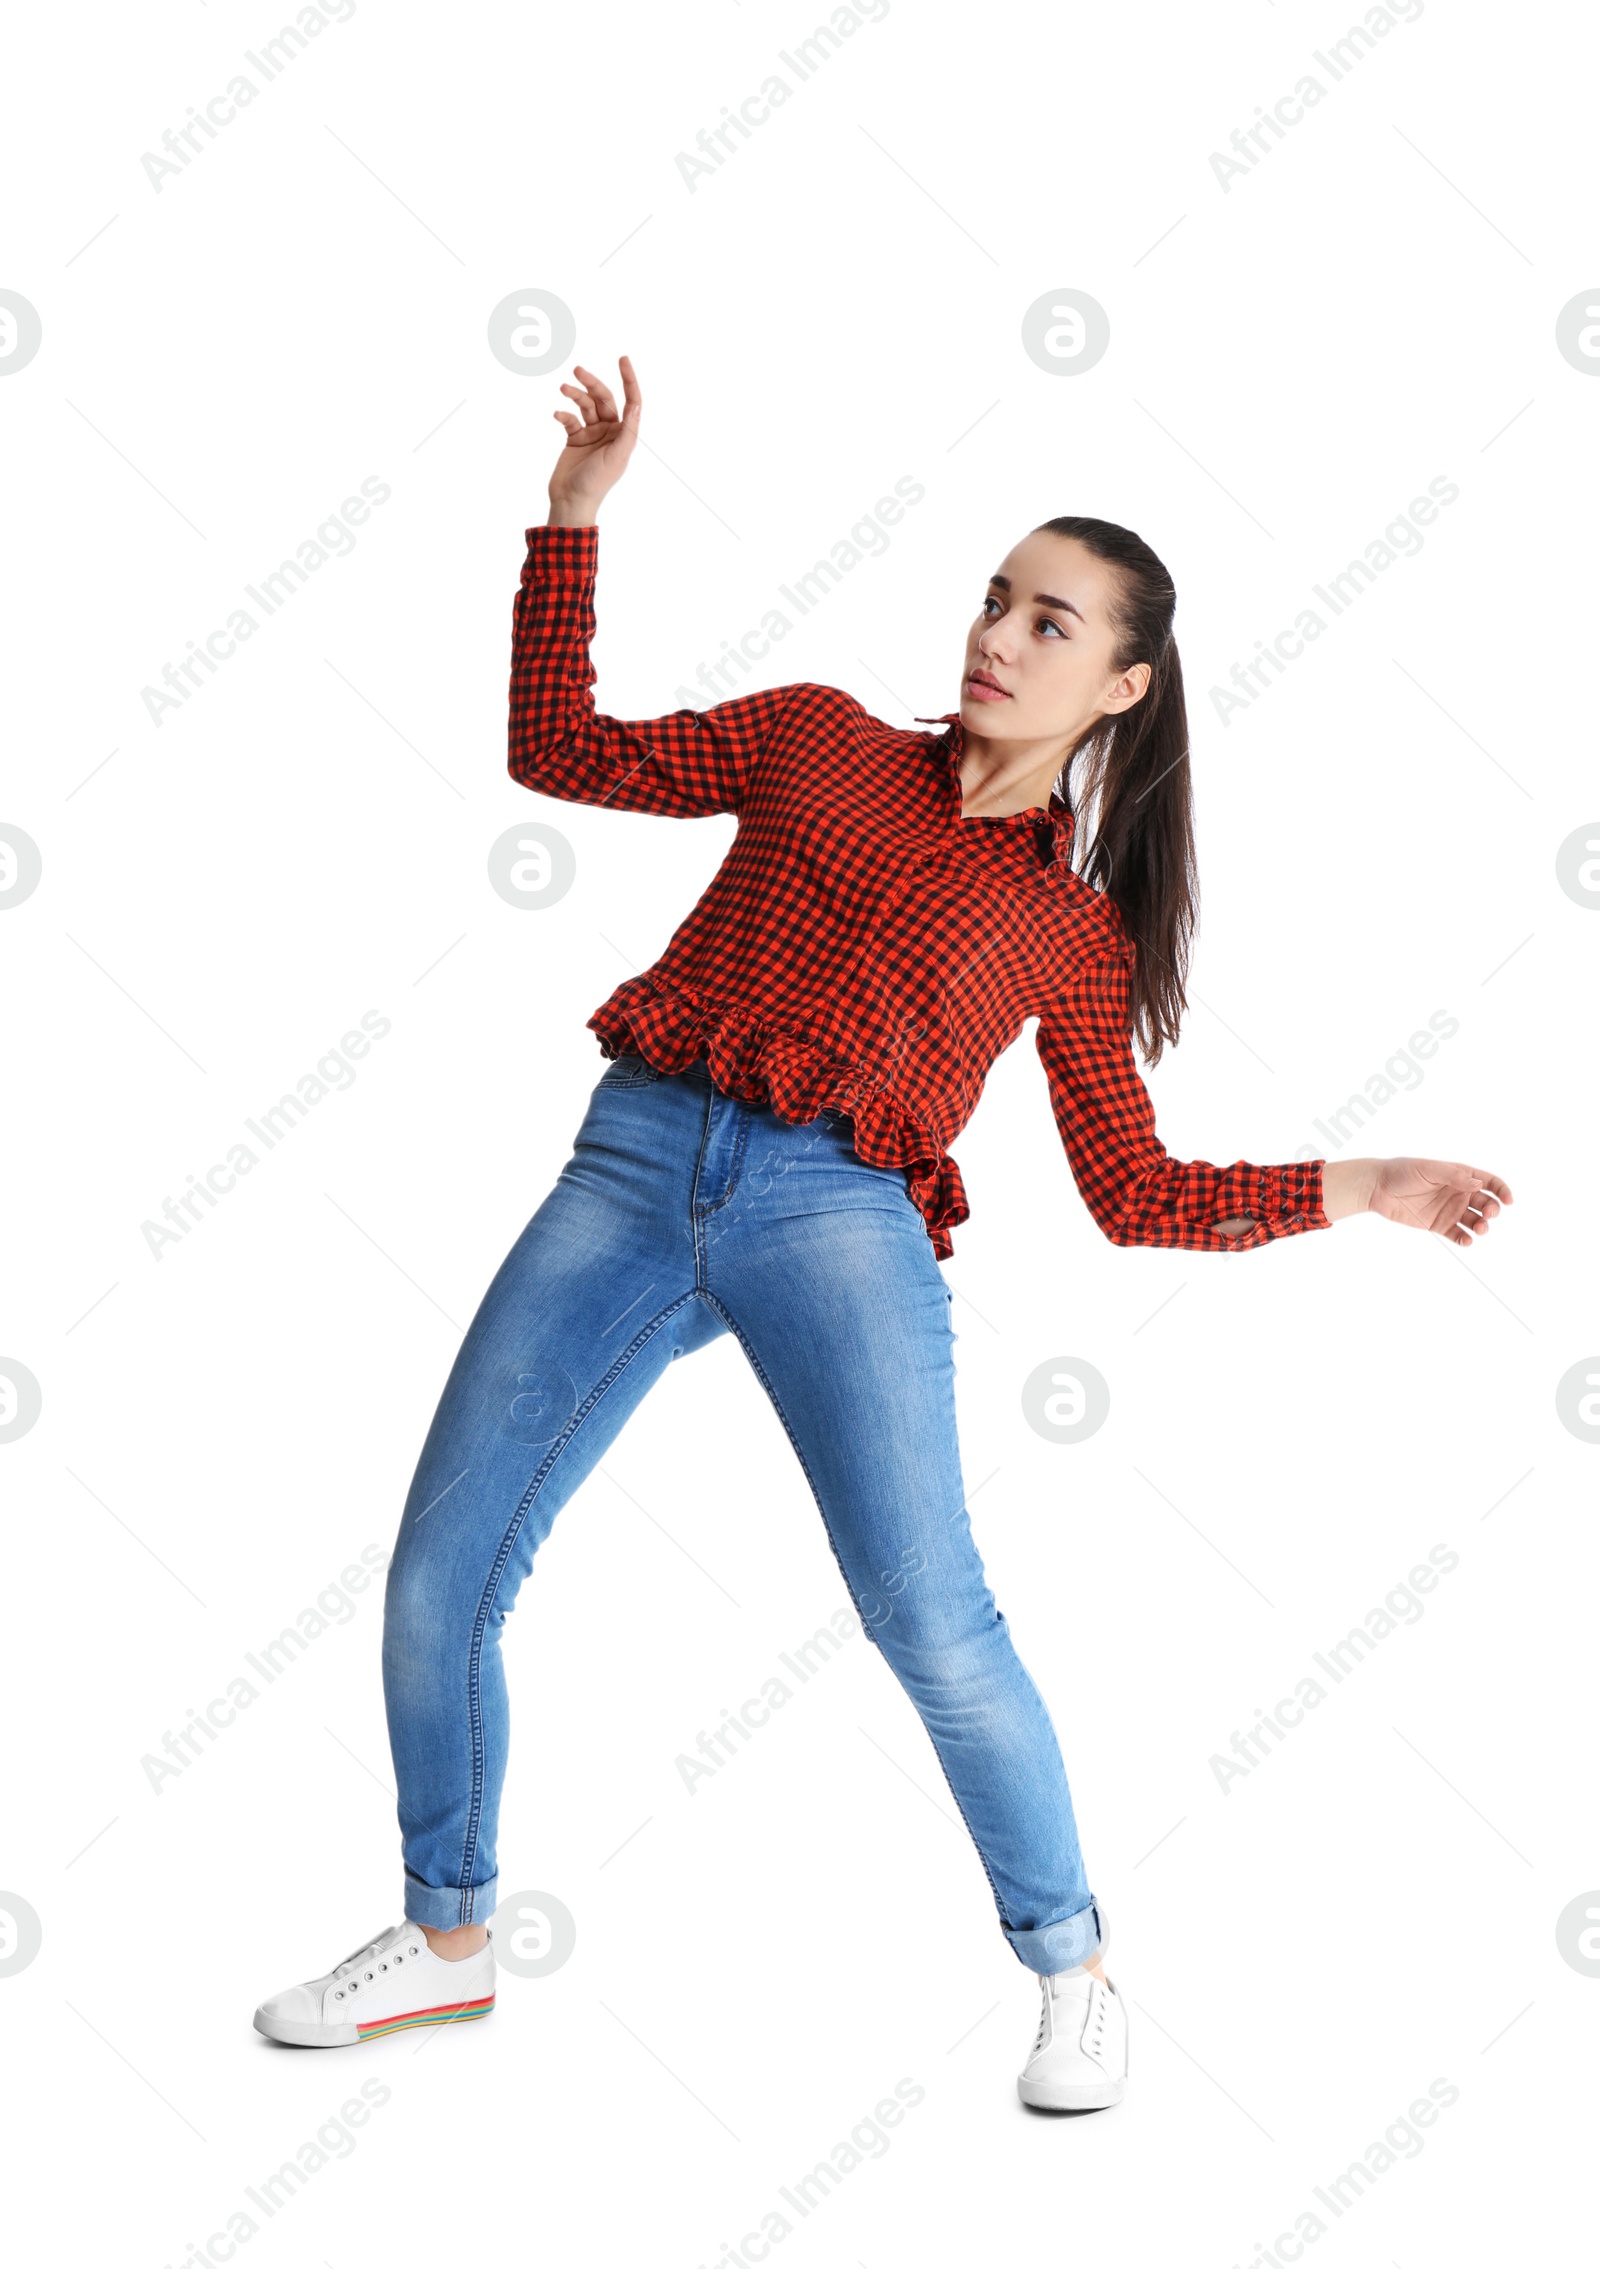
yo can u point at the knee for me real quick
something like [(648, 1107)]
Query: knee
[(905, 1599), (936, 1649), (413, 1608), (930, 1607)]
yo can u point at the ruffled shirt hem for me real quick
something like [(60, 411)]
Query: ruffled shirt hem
[(759, 1061)]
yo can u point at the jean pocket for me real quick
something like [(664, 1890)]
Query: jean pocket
[(629, 1071)]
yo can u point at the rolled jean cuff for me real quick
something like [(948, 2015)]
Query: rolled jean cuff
[(1060, 1945), (450, 1909)]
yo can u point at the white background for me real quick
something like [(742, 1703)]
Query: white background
[(1292, 359)]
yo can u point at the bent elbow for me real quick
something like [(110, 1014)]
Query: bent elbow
[(536, 762)]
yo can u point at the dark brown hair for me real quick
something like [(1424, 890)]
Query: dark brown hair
[(1134, 773)]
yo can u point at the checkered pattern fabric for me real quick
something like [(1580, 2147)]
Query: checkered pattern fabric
[(863, 946)]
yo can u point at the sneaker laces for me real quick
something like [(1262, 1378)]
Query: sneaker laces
[(372, 1946)]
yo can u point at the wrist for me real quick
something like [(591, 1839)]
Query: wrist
[(1347, 1185), (571, 515)]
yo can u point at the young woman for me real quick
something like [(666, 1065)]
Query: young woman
[(767, 1154)]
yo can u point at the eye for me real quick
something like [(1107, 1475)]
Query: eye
[(1048, 622), (990, 601)]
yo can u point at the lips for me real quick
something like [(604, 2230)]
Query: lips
[(982, 687)]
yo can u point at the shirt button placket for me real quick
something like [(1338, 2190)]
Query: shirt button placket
[(909, 874)]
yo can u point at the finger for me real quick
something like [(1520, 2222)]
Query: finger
[(632, 399), (585, 402), (601, 391), (1480, 1179), (572, 424)]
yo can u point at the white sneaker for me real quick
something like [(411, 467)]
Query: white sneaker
[(394, 1982), (1080, 2054)]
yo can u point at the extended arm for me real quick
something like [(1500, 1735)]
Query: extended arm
[(1137, 1193), (1140, 1196)]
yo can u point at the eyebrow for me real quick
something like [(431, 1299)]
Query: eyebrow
[(1040, 598)]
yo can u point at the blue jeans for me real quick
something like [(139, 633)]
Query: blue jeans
[(683, 1214)]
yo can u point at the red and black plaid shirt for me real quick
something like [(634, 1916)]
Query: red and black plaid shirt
[(863, 946)]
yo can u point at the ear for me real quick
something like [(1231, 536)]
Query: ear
[(1129, 686)]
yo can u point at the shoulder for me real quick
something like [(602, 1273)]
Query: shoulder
[(1101, 932), (1117, 944), (828, 714), (836, 701)]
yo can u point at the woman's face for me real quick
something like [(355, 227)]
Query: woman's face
[(1044, 638)]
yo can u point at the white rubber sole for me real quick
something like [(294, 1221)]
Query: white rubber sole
[(294, 2035), (305, 2036), (1057, 2095)]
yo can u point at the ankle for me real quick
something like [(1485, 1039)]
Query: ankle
[(456, 1945)]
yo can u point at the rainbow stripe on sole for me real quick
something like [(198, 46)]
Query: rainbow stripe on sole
[(447, 2013)]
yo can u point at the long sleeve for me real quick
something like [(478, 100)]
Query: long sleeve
[(1138, 1194), (683, 765)]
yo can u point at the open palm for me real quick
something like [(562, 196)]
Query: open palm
[(1458, 1202)]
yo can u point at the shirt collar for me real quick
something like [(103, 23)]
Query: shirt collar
[(1062, 822)]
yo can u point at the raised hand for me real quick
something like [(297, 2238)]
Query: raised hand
[(599, 444), (1456, 1202)]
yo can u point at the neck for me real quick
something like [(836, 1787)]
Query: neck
[(1002, 777)]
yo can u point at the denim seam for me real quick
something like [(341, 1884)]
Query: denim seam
[(513, 1530), (811, 1480), (845, 1573), (741, 1136), (1000, 1905)]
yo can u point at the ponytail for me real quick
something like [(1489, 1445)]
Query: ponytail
[(1134, 782)]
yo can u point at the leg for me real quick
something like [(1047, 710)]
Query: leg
[(593, 1301), (823, 1267)]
